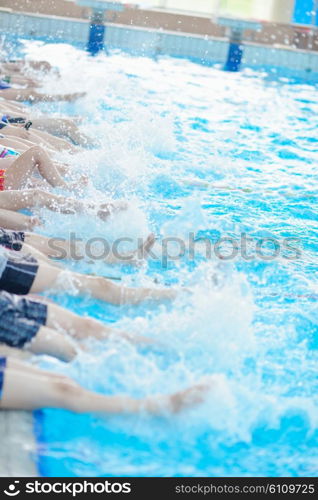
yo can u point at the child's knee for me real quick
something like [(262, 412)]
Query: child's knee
[(36, 152), (34, 149), (67, 393), (69, 353), (87, 325)]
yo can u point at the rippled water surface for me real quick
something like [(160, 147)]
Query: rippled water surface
[(165, 125)]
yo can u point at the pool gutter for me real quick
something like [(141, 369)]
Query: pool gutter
[(18, 445)]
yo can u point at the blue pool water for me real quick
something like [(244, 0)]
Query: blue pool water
[(165, 124)]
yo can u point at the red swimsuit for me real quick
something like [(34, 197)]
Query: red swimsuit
[(2, 172)]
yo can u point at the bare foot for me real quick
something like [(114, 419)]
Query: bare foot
[(35, 221), (147, 245), (107, 209), (192, 396), (73, 97), (83, 180), (79, 184), (73, 148), (142, 252), (135, 339), (159, 294), (181, 400)]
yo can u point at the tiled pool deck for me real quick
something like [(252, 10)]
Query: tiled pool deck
[(18, 445)]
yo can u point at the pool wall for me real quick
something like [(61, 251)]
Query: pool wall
[(153, 42), (278, 31)]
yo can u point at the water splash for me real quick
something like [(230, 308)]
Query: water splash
[(160, 122)]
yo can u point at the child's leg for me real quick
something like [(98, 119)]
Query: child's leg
[(63, 249), (27, 142), (49, 341), (17, 221), (16, 144), (28, 388), (48, 277), (63, 127), (51, 247), (23, 325), (13, 352), (21, 170), (38, 255), (25, 388), (81, 327), (54, 142), (34, 96), (77, 326), (15, 109), (29, 198)]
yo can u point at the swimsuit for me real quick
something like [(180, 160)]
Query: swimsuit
[(4, 85), (2, 173), (3, 363), (17, 273), (20, 319), (4, 153), (5, 119), (13, 240)]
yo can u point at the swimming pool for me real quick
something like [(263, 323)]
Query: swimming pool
[(165, 123)]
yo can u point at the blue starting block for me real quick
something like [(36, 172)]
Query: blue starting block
[(236, 28), (97, 27)]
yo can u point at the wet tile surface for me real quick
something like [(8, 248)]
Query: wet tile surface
[(18, 445)]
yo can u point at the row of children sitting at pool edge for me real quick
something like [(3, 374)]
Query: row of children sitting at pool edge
[(30, 325)]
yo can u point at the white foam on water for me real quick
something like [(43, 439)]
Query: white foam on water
[(168, 120)]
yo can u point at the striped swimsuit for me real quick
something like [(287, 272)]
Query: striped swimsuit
[(3, 363)]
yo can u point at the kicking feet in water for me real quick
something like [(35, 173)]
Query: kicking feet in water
[(25, 387)]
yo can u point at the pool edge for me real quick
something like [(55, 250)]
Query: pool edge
[(19, 445)]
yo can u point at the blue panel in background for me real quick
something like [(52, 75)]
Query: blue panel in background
[(303, 12), (96, 38), (234, 57)]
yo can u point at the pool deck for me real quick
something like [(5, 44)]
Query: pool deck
[(18, 444)]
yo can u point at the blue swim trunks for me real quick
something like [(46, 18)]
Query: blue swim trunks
[(11, 239), (4, 85), (20, 319), (3, 364), (18, 274)]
